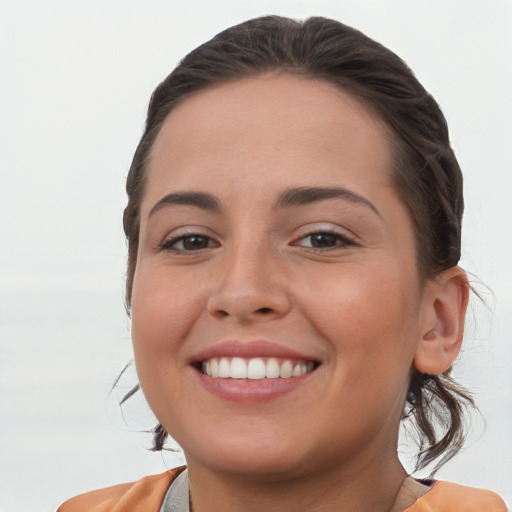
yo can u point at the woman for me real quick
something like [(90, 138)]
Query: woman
[(294, 223)]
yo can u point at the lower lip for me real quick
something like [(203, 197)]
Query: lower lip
[(251, 391)]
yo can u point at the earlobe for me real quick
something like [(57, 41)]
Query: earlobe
[(445, 310)]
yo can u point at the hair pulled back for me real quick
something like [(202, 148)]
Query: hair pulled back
[(425, 171)]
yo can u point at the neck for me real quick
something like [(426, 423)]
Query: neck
[(374, 487)]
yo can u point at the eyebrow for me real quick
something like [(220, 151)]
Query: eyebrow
[(299, 196), (306, 195), (200, 199)]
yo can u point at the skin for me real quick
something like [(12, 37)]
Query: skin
[(356, 304)]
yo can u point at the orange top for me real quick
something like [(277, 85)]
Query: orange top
[(147, 495), (144, 495), (448, 497)]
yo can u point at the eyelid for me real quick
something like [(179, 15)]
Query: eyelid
[(185, 232), (346, 236), (168, 244)]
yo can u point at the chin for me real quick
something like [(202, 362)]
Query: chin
[(270, 462)]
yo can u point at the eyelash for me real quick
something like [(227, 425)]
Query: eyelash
[(342, 241), (168, 244)]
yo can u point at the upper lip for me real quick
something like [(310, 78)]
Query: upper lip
[(250, 349)]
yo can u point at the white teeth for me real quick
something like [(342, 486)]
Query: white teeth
[(286, 370), (224, 368), (238, 368), (214, 365), (255, 368), (272, 369)]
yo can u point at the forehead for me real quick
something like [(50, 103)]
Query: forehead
[(275, 128)]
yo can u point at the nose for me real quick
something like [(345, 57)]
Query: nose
[(249, 287)]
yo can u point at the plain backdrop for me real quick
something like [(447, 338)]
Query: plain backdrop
[(75, 79)]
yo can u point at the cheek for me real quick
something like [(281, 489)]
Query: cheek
[(162, 314), (369, 318), (161, 317), (160, 307), (373, 340)]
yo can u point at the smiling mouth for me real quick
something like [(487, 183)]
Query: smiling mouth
[(256, 368)]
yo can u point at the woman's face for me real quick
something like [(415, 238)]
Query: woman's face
[(272, 242)]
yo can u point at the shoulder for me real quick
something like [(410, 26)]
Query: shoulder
[(144, 495), (449, 497)]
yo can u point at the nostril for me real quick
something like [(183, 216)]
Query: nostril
[(222, 313), (264, 310)]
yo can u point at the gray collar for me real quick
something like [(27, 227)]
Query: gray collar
[(177, 498)]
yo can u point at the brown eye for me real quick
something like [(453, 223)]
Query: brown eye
[(189, 243), (195, 242), (324, 240)]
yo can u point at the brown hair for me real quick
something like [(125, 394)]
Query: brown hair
[(425, 172)]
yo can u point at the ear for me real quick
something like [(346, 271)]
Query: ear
[(446, 300)]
